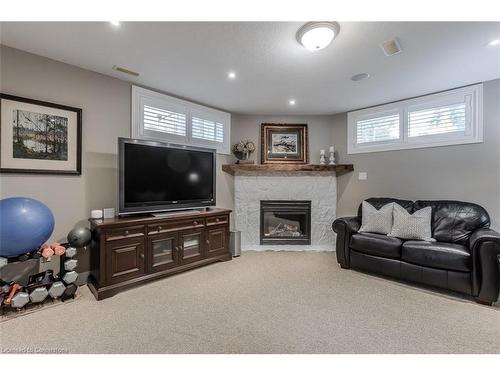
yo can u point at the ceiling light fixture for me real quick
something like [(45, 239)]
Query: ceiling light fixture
[(494, 43), (231, 75), (291, 102), (115, 23), (317, 35), (360, 77)]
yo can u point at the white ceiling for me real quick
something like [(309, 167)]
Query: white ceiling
[(191, 60)]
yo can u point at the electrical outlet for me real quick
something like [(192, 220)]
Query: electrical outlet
[(362, 176)]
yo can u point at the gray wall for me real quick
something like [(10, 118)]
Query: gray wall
[(463, 172), (467, 172), (106, 108), (320, 130)]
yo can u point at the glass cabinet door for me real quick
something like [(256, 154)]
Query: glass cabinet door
[(163, 251), (192, 245)]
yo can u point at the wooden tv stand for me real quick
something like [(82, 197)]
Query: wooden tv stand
[(133, 250)]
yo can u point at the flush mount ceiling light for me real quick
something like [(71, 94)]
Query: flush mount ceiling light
[(231, 75), (360, 77), (317, 35), (115, 23), (291, 102), (493, 43)]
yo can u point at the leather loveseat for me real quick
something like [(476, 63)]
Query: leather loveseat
[(465, 257)]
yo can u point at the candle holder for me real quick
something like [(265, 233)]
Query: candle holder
[(332, 156), (322, 160)]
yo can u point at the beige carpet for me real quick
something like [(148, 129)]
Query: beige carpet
[(263, 302)]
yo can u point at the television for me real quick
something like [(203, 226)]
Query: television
[(156, 177)]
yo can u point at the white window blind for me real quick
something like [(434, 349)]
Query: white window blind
[(164, 121), (207, 129), (377, 129), (160, 117), (441, 119), (445, 119)]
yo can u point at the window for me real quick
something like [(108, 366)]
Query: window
[(164, 118), (445, 118)]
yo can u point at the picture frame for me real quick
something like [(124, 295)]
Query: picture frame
[(38, 137), (284, 144)]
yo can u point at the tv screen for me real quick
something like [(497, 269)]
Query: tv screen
[(159, 177)]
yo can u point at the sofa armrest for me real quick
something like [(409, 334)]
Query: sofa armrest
[(345, 227), (485, 251)]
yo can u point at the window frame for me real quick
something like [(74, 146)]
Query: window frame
[(472, 96), (142, 96)]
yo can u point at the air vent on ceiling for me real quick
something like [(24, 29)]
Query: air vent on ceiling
[(391, 47), (124, 70)]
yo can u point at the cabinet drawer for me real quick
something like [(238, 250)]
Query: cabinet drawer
[(216, 220), (175, 226), (126, 232)]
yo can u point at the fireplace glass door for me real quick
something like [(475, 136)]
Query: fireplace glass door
[(285, 222)]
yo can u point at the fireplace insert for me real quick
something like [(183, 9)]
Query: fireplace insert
[(285, 222)]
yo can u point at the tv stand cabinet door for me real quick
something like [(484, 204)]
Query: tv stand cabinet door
[(217, 240), (163, 251), (124, 259), (191, 244)]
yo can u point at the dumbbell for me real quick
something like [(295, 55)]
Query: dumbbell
[(20, 300), (70, 264), (57, 289), (70, 252), (69, 292), (70, 277), (38, 294), (12, 290)]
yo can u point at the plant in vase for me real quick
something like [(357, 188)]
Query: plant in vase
[(243, 149)]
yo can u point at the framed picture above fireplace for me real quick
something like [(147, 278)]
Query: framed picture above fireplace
[(284, 143)]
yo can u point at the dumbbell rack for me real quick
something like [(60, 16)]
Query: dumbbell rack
[(61, 288)]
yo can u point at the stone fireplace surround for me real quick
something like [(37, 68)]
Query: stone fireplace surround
[(318, 187)]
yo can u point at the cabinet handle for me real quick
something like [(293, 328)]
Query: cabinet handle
[(217, 220), (208, 242), (159, 228), (126, 232), (141, 255), (195, 223)]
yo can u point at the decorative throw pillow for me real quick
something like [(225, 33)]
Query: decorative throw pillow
[(416, 226), (376, 221)]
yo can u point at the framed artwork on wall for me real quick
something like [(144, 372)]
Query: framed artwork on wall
[(284, 143), (39, 137)]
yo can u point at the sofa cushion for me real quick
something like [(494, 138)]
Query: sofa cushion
[(376, 221), (454, 221), (380, 202), (448, 256), (377, 244), (415, 226)]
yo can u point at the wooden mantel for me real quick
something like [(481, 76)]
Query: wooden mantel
[(339, 169)]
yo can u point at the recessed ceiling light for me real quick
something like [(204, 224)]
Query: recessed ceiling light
[(231, 75), (360, 77), (317, 35), (291, 102), (115, 23), (494, 42)]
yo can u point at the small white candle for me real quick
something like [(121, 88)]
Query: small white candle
[(322, 152), (332, 149)]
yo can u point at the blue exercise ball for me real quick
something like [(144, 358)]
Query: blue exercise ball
[(25, 225)]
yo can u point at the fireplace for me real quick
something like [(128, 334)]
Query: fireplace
[(285, 222)]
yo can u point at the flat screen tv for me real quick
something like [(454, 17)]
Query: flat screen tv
[(155, 177)]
